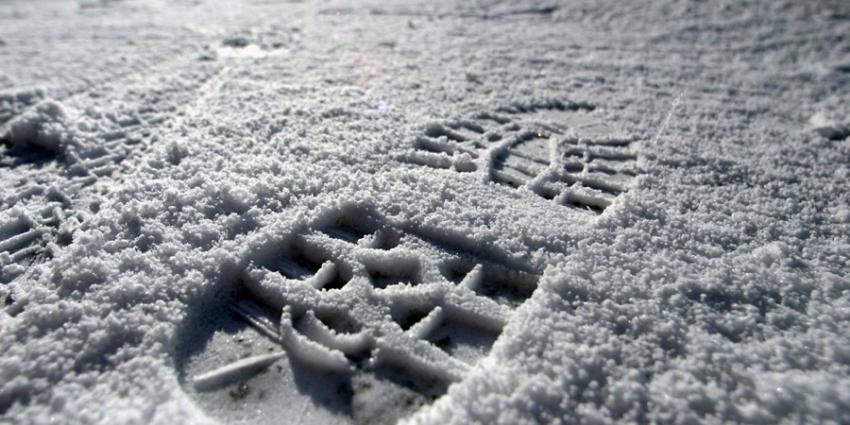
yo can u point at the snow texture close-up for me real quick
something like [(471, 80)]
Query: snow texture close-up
[(424, 212)]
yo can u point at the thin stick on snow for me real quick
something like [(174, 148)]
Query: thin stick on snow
[(235, 370)]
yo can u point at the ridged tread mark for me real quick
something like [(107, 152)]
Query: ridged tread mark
[(415, 311), (558, 151), (98, 152)]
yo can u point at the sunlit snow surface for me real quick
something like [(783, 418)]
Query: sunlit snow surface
[(436, 212)]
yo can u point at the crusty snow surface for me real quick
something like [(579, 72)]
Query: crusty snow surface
[(434, 212)]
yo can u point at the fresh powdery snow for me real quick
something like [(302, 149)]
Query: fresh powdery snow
[(424, 212)]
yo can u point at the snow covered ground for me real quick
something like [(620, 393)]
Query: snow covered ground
[(488, 211)]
